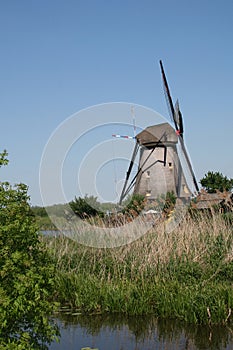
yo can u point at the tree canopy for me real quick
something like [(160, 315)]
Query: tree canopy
[(85, 207), (216, 181), (26, 274)]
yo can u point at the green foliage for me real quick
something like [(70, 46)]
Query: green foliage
[(213, 182), (135, 205), (170, 201), (26, 275), (39, 211), (165, 202), (85, 207), (228, 217), (186, 274), (44, 223), (43, 219), (3, 158), (186, 297)]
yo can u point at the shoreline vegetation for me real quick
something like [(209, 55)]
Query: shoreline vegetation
[(186, 274)]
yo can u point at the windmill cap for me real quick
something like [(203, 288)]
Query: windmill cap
[(163, 133)]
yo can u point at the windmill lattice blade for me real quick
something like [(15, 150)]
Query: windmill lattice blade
[(179, 119), (168, 97)]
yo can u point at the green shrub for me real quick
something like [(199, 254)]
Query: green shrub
[(26, 275)]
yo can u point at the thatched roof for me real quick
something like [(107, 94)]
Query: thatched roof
[(163, 133), (207, 200)]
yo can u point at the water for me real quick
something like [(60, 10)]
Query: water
[(115, 332)]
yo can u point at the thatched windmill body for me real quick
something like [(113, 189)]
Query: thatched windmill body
[(162, 157), (160, 167)]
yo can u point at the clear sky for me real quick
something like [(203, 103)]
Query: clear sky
[(59, 57)]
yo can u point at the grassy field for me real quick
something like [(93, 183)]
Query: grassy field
[(186, 274)]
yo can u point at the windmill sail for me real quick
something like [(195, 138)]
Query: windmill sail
[(168, 96), (176, 117), (179, 119), (163, 165), (125, 190)]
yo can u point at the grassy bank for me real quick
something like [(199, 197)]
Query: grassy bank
[(186, 274)]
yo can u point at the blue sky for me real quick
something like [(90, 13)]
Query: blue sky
[(59, 57)]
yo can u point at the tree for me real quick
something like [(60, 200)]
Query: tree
[(85, 207), (26, 274), (3, 158), (213, 182)]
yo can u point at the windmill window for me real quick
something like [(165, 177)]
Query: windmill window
[(170, 165), (148, 173), (148, 193)]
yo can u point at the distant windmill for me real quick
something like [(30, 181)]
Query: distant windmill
[(161, 159)]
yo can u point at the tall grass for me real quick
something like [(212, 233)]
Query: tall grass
[(185, 274)]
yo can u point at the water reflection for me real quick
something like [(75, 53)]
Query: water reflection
[(116, 332)]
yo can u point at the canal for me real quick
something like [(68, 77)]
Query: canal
[(116, 332)]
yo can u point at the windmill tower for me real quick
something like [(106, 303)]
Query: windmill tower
[(160, 169), (162, 154)]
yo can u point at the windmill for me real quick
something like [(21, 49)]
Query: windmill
[(162, 156)]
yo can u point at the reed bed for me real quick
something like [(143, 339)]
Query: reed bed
[(185, 274)]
